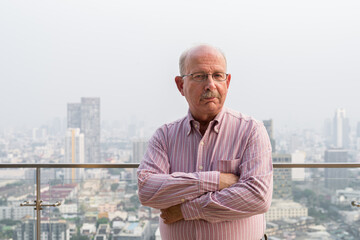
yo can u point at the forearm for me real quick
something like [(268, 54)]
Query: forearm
[(251, 195), (165, 190), (159, 188), (241, 200)]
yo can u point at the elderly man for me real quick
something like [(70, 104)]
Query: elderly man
[(210, 172)]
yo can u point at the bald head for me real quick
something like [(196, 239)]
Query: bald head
[(196, 50)]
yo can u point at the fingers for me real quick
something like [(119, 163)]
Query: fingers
[(171, 215), (165, 216), (227, 179)]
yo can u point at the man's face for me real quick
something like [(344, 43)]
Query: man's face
[(205, 98)]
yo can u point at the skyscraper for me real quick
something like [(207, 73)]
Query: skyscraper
[(336, 178), (74, 115), (90, 126), (270, 130), (139, 150), (341, 129), (282, 177), (86, 116), (74, 153), (298, 174), (51, 229), (358, 136)]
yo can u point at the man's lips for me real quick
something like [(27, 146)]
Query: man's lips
[(209, 99)]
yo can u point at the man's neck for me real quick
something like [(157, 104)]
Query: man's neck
[(204, 122), (203, 128)]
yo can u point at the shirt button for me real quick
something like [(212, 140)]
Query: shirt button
[(182, 200), (200, 167), (201, 143)]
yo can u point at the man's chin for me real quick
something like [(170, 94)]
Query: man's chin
[(212, 108)]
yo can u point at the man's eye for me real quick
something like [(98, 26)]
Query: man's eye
[(198, 76), (218, 75)]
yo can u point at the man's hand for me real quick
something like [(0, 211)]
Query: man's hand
[(172, 214), (227, 179)]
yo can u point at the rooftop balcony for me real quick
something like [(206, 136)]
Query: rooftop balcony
[(99, 201)]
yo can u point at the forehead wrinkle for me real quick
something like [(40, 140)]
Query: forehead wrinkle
[(205, 64), (201, 54)]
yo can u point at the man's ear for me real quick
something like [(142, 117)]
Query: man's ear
[(228, 80), (180, 84)]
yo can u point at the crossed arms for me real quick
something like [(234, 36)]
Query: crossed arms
[(210, 195), (174, 214)]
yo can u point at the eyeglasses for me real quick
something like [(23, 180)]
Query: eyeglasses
[(201, 77)]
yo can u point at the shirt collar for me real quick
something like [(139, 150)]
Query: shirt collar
[(214, 124)]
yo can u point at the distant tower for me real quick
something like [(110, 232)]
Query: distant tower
[(358, 136), (336, 178), (74, 115), (341, 129), (327, 131), (139, 150), (282, 177), (298, 174), (270, 130), (74, 153), (90, 126), (86, 116)]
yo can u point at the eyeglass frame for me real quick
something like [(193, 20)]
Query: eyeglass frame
[(207, 76)]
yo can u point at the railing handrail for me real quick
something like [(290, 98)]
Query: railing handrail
[(69, 165), (135, 165)]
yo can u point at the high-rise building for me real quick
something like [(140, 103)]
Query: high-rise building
[(53, 230), (74, 153), (282, 177), (327, 132), (90, 126), (86, 116), (74, 115), (139, 150), (270, 130), (358, 136), (298, 174), (341, 129), (336, 178)]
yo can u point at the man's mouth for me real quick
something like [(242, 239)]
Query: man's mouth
[(208, 95)]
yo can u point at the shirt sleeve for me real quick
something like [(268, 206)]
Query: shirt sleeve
[(251, 195), (160, 189)]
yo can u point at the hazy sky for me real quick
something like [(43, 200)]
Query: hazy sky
[(292, 61)]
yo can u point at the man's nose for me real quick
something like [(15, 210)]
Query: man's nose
[(210, 83)]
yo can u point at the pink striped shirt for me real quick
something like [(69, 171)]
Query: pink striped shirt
[(183, 167)]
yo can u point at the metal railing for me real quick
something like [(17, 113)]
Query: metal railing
[(135, 165), (38, 203)]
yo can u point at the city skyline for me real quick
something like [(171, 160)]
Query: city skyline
[(294, 65), (291, 62)]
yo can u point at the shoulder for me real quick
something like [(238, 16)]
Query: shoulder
[(249, 129), (170, 129), (174, 126), (241, 118)]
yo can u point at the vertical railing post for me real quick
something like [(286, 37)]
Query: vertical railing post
[(38, 205)]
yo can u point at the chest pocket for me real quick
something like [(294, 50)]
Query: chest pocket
[(228, 166)]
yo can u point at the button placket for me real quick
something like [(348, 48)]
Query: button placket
[(201, 154)]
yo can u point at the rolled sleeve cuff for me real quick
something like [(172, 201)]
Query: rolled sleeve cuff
[(192, 210), (209, 181)]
